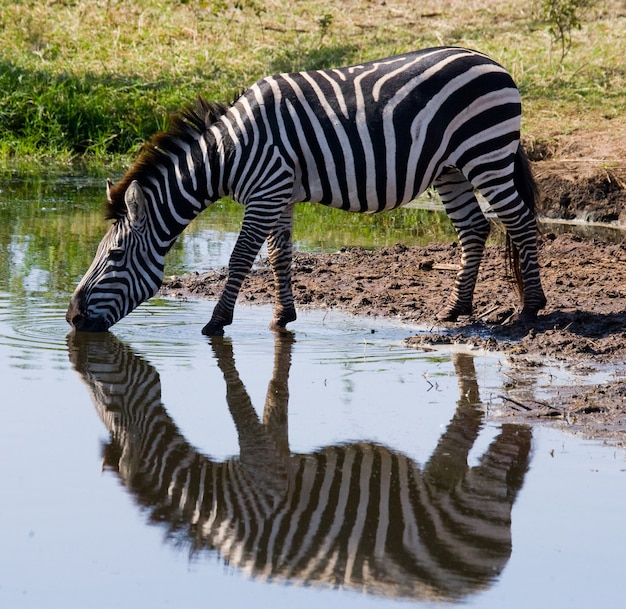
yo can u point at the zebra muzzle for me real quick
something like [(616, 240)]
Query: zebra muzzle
[(80, 321)]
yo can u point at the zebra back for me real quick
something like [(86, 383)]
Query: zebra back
[(358, 515)]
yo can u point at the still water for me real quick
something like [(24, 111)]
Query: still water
[(152, 467)]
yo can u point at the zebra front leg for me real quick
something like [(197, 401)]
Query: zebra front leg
[(279, 246), (461, 205), (254, 231)]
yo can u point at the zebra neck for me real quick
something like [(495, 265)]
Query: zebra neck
[(183, 184), (244, 159)]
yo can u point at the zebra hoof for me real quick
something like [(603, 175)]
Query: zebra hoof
[(280, 321), (452, 312), (528, 314), (213, 329)]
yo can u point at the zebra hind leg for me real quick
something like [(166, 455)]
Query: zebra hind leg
[(512, 198), (523, 237), (461, 205), (279, 247)]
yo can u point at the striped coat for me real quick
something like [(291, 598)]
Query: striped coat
[(366, 138)]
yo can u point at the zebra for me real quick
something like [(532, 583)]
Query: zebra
[(365, 138), (359, 516)]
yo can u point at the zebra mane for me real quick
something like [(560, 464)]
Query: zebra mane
[(183, 125)]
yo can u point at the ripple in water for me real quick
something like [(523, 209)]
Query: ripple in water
[(170, 330), (32, 324)]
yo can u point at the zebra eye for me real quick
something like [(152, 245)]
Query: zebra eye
[(116, 254)]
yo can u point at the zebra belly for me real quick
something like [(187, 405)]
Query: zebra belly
[(354, 203)]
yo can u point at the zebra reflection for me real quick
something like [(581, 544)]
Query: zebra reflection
[(360, 516)]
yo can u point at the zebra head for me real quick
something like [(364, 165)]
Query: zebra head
[(126, 270)]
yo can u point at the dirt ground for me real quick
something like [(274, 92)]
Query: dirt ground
[(582, 330)]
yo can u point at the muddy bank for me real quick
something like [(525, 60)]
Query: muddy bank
[(582, 175), (573, 191), (583, 328)]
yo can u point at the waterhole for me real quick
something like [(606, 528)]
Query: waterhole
[(332, 466), (151, 466)]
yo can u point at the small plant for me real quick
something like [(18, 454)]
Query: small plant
[(324, 22), (563, 16)]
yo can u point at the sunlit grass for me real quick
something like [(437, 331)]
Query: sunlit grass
[(91, 80), (329, 228)]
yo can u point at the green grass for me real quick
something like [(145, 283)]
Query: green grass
[(91, 80)]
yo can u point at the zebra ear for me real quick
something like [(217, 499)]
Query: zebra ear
[(135, 202), (109, 186)]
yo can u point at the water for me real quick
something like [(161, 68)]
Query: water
[(507, 515)]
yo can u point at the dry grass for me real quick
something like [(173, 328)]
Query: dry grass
[(169, 51)]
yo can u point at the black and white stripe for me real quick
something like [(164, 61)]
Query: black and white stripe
[(359, 515), (365, 138)]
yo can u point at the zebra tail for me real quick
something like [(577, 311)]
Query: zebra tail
[(529, 191)]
